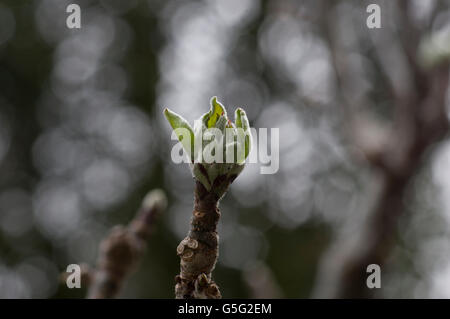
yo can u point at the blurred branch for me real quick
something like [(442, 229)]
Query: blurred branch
[(420, 121), (124, 246), (360, 128)]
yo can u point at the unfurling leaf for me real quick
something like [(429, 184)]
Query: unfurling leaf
[(217, 110), (242, 123), (178, 122)]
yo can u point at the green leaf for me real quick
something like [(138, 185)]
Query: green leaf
[(201, 175), (240, 117), (177, 121), (217, 110), (213, 170), (221, 124), (237, 117)]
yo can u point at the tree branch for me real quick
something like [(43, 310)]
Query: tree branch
[(199, 250), (124, 246), (420, 121)]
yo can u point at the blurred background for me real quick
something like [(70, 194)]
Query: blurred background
[(83, 139)]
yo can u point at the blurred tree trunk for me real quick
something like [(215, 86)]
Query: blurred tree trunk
[(420, 120)]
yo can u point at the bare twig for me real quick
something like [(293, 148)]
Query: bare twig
[(121, 250)]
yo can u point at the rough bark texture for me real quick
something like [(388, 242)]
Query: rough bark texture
[(122, 249), (200, 249)]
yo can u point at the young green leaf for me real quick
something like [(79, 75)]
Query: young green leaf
[(200, 174), (242, 122), (178, 122), (217, 110)]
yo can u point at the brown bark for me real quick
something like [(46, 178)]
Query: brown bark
[(200, 249)]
